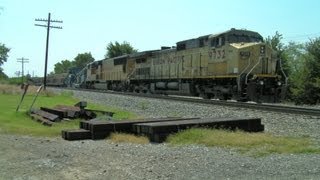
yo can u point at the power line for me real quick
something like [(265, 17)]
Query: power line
[(48, 26), (22, 61)]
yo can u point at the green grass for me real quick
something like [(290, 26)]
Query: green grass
[(255, 144), (20, 123)]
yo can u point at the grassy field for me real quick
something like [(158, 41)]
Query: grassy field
[(20, 123), (256, 144)]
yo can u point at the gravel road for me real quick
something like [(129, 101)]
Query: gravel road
[(24, 157)]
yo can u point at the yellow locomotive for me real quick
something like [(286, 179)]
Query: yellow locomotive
[(235, 64)]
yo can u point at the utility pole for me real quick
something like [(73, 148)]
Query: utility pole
[(22, 61), (48, 26)]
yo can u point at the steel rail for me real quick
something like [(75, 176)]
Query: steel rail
[(248, 105)]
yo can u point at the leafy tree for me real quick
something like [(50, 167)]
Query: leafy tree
[(312, 82), (3, 58), (307, 86), (278, 46), (63, 66), (313, 60), (3, 53), (117, 49), (2, 74), (294, 52), (275, 42), (83, 59)]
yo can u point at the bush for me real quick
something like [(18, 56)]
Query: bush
[(306, 88)]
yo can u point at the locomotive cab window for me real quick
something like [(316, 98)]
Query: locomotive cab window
[(203, 42), (141, 60), (214, 42), (221, 41), (181, 47), (232, 38), (238, 38), (218, 41)]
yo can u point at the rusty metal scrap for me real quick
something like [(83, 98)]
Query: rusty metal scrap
[(64, 112), (41, 120)]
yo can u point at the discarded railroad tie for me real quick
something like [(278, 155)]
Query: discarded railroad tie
[(157, 129), (48, 116)]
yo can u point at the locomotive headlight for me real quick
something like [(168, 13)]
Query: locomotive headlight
[(262, 49), (261, 83), (279, 83)]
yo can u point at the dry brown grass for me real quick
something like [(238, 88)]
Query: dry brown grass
[(10, 89), (16, 89), (128, 138)]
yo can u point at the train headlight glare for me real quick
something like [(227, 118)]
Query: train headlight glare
[(279, 83), (261, 83)]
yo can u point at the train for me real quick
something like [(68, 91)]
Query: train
[(54, 80), (234, 64), (57, 80)]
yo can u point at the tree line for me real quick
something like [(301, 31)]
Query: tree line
[(81, 60)]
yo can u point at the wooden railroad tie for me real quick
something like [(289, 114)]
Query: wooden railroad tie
[(157, 129)]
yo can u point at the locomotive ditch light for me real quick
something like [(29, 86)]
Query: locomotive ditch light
[(279, 83), (261, 83)]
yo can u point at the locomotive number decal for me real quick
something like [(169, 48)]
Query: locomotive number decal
[(212, 54), (221, 54), (217, 54)]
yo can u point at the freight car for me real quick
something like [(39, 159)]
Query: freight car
[(235, 64), (55, 80)]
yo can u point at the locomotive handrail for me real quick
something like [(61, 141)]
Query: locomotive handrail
[(252, 70), (131, 73), (239, 88), (284, 74)]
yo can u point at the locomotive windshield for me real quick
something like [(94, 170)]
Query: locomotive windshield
[(235, 38)]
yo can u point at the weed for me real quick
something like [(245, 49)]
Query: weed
[(143, 105), (256, 144)]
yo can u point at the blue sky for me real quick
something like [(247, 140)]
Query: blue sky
[(89, 25)]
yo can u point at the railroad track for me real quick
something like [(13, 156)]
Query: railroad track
[(257, 106)]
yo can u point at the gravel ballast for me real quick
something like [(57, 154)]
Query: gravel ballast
[(276, 123), (24, 157)]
